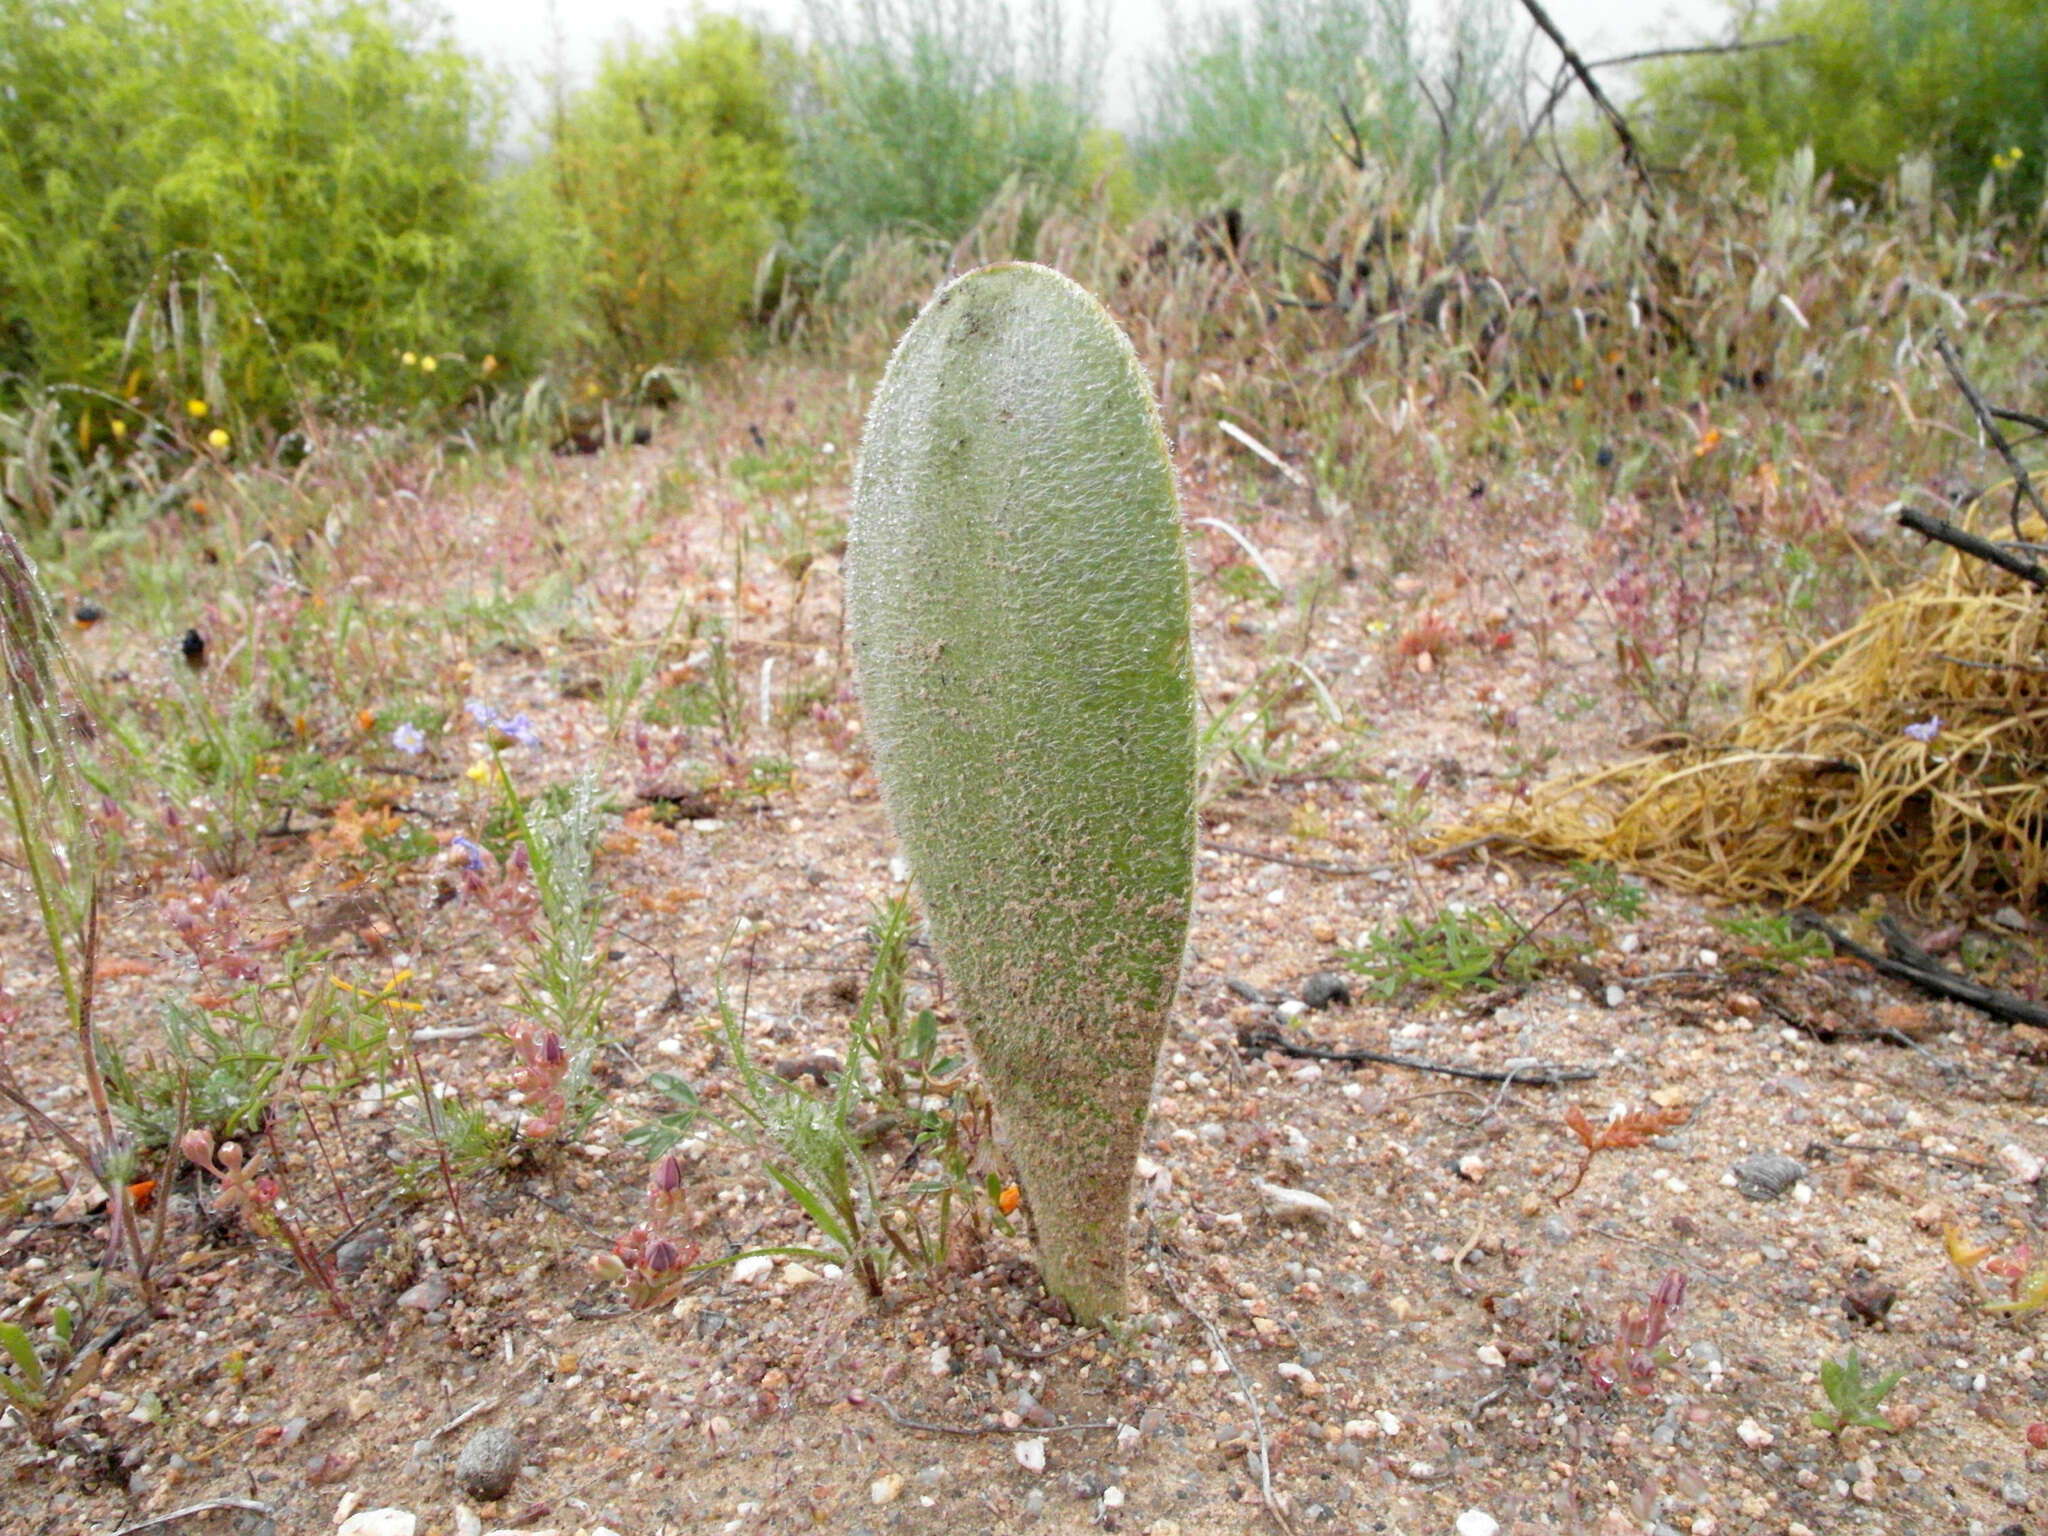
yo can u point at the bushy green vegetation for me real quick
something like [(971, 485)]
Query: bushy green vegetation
[(220, 218), (674, 169), (1240, 98), (176, 177), (1871, 82), (911, 115)]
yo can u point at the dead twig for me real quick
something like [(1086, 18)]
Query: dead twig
[(1927, 975), (1942, 531), (1698, 50), (1537, 1074), (2023, 486), (208, 1507), (976, 1431), (1631, 151), (1319, 866), (1251, 1398)]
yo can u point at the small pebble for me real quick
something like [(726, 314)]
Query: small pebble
[(353, 1256), (1477, 1522), (2022, 1166), (755, 1266), (489, 1464), (887, 1488), (1766, 1175), (1031, 1454), (1324, 989), (1293, 1206), (379, 1522), (428, 1296)]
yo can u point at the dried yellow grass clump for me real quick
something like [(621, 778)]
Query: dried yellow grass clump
[(1820, 790)]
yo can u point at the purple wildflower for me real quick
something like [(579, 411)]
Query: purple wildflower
[(472, 853), (521, 730), (409, 739), (1925, 730)]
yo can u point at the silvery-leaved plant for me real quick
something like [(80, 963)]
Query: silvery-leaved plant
[(1018, 596)]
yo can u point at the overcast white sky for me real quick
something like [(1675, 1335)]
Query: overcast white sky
[(519, 33)]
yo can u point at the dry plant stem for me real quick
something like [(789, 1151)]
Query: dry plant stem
[(1942, 531), (1251, 1398), (161, 1228), (12, 1091), (1538, 1074), (1319, 866), (88, 1051), (975, 1431), (207, 1508), (2023, 485), (1700, 50), (78, 997), (1630, 150), (419, 1072), (333, 1173), (309, 1263), (1929, 977)]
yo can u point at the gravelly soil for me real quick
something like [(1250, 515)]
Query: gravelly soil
[(1417, 1351)]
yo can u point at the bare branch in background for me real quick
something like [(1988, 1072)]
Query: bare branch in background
[(1987, 418)]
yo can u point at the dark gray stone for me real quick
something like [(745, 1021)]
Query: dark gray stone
[(489, 1464), (353, 1256), (1324, 989), (1767, 1175)]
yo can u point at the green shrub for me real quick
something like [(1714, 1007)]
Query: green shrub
[(176, 177), (674, 165), (910, 116), (1871, 82), (1239, 97)]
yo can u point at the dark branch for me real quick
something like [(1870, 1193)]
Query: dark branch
[(1943, 531), (1539, 1074), (1631, 151), (1987, 418), (1697, 50), (1915, 965)]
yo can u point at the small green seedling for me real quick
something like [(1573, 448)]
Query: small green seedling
[(1851, 1399), (42, 1379), (1776, 939)]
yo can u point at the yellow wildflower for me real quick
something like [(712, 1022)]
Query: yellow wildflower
[(219, 438), (429, 363), (196, 409)]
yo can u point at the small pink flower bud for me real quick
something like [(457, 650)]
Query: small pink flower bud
[(667, 1179), (607, 1266), (661, 1257), (551, 1052), (197, 1145)]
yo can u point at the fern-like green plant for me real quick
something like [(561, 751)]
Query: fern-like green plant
[(1018, 597)]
